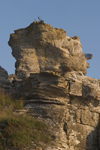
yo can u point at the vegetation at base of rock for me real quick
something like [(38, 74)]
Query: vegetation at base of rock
[(19, 131), (6, 100)]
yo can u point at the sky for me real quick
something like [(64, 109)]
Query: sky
[(77, 17)]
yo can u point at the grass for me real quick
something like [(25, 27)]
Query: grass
[(6, 100), (18, 131)]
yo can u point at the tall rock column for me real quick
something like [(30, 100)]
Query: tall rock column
[(51, 68)]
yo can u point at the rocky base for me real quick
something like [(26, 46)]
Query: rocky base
[(70, 106)]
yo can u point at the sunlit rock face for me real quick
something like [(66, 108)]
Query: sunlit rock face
[(42, 48)]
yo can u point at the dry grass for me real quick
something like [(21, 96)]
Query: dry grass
[(6, 100), (19, 131)]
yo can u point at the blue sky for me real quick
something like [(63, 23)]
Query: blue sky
[(77, 17)]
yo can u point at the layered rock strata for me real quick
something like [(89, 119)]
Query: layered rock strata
[(70, 105), (51, 68)]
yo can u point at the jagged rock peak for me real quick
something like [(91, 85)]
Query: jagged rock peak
[(42, 48)]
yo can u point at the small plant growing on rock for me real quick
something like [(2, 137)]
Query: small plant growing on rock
[(40, 20)]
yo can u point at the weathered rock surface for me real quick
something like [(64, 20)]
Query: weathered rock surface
[(42, 48), (12, 77), (4, 82), (70, 105), (51, 68)]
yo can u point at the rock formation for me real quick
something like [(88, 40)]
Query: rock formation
[(42, 48), (4, 82), (51, 69), (12, 77)]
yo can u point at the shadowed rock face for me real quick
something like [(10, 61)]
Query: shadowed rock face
[(51, 69), (42, 48), (4, 82)]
